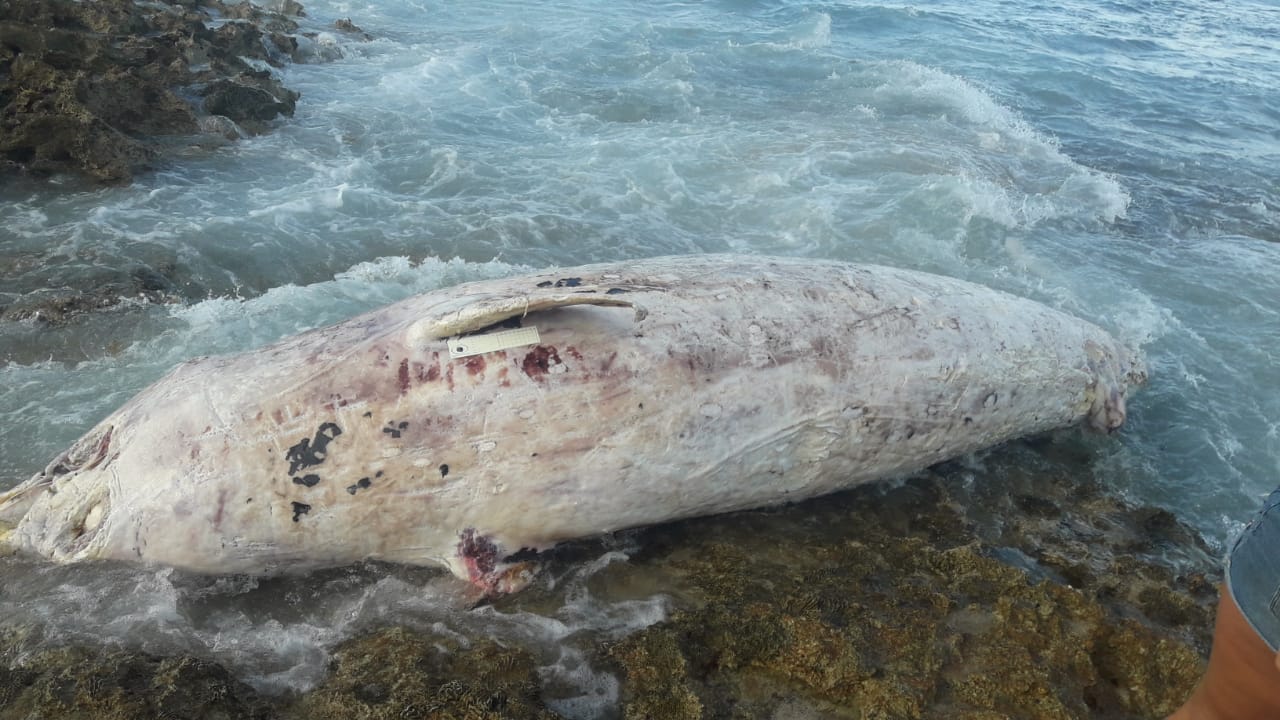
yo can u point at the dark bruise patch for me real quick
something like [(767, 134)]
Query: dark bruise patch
[(539, 360), (310, 452), (278, 416), (393, 428), (573, 352), (503, 380), (222, 506), (378, 474), (521, 555), (586, 292), (307, 480), (402, 376), (300, 509), (361, 484), (479, 552), (475, 365), (433, 373), (545, 283), (608, 362), (569, 282), (444, 470), (616, 291), (368, 414)]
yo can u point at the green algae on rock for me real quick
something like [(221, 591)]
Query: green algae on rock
[(917, 615), (74, 683), (399, 673)]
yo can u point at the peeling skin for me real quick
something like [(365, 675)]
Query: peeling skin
[(710, 384)]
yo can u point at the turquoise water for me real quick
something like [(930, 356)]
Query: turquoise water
[(1118, 160)]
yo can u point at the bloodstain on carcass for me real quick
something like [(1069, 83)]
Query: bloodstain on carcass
[(478, 552), (402, 376), (503, 380), (539, 361), (608, 362), (475, 365), (428, 372), (573, 352), (335, 403)]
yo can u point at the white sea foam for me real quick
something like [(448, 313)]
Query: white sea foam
[(278, 635)]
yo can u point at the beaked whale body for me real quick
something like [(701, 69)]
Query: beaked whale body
[(657, 389)]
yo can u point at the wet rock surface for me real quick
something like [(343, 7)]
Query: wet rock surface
[(105, 88), (82, 683), (59, 305), (399, 673), (951, 595)]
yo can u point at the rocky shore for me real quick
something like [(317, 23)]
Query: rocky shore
[(947, 596), (104, 89)]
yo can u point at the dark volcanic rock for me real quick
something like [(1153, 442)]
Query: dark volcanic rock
[(97, 87), (244, 103), (345, 25)]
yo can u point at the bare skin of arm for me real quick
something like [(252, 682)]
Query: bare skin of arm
[(1242, 681)]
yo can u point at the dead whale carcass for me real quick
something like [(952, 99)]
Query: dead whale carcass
[(472, 424)]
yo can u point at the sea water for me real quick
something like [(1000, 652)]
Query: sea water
[(1119, 160)]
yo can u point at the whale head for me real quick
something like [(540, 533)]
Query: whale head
[(60, 512)]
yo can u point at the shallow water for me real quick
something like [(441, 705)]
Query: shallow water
[(1117, 160)]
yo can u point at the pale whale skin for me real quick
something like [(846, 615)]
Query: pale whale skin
[(661, 389)]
